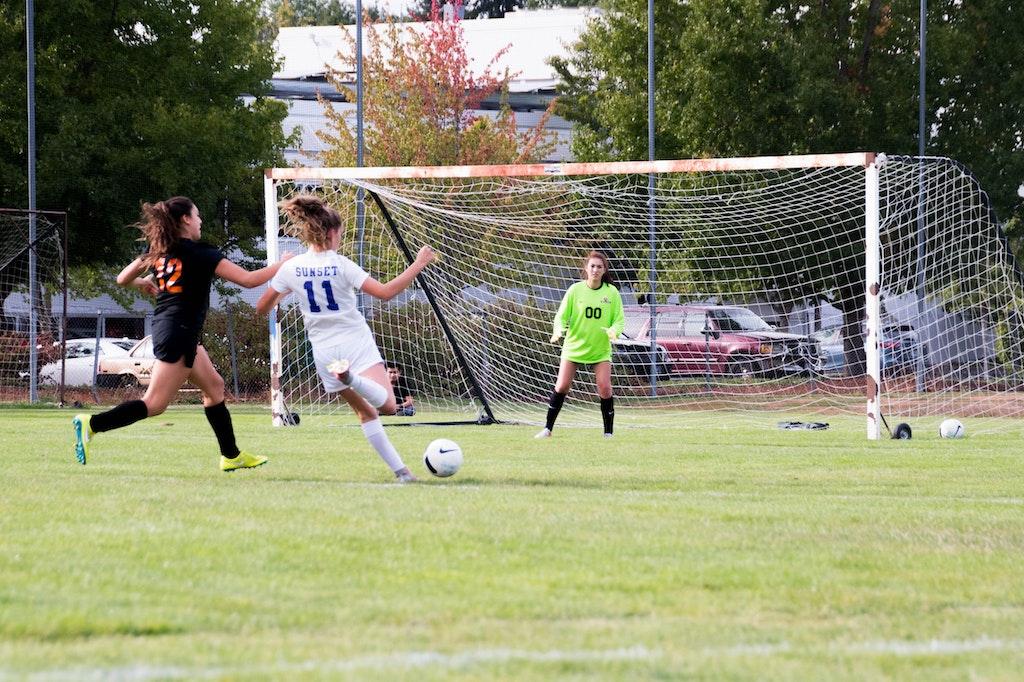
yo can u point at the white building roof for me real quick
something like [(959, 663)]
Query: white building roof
[(532, 38)]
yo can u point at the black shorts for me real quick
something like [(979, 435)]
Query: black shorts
[(173, 340)]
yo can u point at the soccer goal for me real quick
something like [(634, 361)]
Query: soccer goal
[(773, 287), (33, 293)]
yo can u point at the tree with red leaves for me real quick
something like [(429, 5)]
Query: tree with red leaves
[(422, 100)]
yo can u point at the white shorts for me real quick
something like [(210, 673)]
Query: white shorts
[(361, 351)]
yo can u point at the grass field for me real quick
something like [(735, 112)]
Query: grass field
[(741, 552)]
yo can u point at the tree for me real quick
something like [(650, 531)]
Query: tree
[(137, 101), (757, 77), (316, 12), (420, 104), (494, 9), (752, 77)]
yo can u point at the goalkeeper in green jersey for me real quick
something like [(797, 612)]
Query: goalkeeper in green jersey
[(590, 317)]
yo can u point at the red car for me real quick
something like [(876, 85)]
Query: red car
[(721, 339)]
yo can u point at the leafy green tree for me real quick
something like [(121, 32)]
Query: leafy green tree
[(495, 9), (750, 77), (318, 12), (138, 101), (753, 77)]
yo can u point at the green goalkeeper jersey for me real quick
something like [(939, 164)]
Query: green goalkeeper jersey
[(584, 317)]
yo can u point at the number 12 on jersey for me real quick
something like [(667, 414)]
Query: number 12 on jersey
[(314, 307)]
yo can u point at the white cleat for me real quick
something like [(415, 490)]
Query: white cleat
[(544, 433), (607, 435), (405, 476)]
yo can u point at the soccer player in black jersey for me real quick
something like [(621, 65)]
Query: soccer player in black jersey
[(181, 269)]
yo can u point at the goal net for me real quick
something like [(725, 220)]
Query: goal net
[(782, 288), (31, 289)]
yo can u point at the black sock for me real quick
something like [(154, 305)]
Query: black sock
[(122, 415), (554, 407), (220, 420), (608, 413)]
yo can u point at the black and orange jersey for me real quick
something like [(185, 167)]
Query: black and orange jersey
[(183, 276)]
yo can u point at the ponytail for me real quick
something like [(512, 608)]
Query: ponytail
[(315, 218), (160, 225)]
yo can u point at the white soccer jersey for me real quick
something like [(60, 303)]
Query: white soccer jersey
[(325, 284)]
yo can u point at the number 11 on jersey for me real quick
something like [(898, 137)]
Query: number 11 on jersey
[(314, 307)]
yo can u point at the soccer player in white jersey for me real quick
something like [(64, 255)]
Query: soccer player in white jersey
[(344, 350)]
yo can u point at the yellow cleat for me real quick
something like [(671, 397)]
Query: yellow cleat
[(243, 461), (83, 434)]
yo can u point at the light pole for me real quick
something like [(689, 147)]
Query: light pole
[(651, 227), (33, 352), (919, 383), (360, 196)]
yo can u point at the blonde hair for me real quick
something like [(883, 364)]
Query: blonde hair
[(160, 225), (315, 218), (606, 278)]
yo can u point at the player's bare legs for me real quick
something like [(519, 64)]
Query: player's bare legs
[(207, 379), (566, 374), (367, 384), (164, 383), (373, 429)]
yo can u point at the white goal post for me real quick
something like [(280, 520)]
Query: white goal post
[(781, 286)]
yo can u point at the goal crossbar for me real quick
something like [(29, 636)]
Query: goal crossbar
[(609, 168)]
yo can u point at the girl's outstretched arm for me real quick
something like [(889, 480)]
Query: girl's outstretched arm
[(248, 278), (388, 290)]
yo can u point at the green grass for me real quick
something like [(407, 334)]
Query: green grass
[(730, 553)]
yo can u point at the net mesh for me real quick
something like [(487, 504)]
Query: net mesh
[(759, 288), (16, 339)]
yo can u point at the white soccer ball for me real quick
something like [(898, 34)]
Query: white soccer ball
[(443, 457), (951, 428)]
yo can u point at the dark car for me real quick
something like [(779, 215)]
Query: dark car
[(719, 339), (633, 358)]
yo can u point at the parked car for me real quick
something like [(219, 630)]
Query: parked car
[(729, 340), (633, 357), (133, 369), (831, 355), (79, 359), (898, 349)]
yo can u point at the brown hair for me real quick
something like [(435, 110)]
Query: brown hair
[(316, 218), (606, 278), (160, 225)]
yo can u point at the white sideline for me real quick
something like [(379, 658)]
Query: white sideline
[(411, 659), (423, 659)]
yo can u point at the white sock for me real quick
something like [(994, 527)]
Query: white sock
[(374, 432), (374, 393)]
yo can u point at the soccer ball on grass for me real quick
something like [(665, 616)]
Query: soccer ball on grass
[(951, 428), (443, 457)]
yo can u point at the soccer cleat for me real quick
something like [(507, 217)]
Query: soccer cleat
[(83, 434), (607, 435), (405, 476), (339, 368), (243, 461), (544, 433)]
